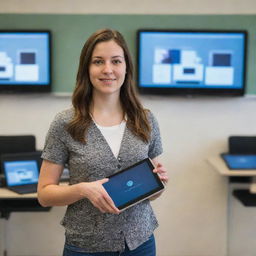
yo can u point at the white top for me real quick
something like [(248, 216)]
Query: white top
[(113, 135)]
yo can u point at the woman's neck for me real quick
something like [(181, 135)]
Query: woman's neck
[(107, 111)]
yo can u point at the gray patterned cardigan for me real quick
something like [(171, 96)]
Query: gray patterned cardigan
[(85, 226)]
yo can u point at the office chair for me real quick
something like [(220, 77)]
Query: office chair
[(11, 145), (245, 145), (242, 145), (16, 144)]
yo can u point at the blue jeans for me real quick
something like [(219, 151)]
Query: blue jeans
[(146, 249)]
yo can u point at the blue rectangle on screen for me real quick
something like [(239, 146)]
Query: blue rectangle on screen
[(21, 172), (240, 161)]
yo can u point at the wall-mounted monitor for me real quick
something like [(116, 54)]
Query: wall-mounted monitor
[(25, 61), (191, 62)]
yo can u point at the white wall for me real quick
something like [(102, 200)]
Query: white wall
[(129, 6), (197, 218), (193, 210)]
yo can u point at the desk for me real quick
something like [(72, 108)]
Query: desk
[(219, 165), (13, 202), (8, 194), (246, 196)]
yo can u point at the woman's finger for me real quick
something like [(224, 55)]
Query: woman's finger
[(110, 204), (106, 201)]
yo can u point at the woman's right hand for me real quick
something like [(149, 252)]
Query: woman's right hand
[(98, 196)]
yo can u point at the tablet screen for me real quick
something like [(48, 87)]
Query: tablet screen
[(133, 184), (240, 161)]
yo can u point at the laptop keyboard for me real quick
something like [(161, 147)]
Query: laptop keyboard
[(25, 189)]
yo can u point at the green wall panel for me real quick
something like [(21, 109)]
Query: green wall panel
[(69, 33)]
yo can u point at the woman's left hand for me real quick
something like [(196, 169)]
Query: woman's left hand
[(161, 171)]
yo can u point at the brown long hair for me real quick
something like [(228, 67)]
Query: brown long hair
[(137, 120)]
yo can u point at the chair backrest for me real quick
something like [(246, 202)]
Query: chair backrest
[(242, 144), (17, 144)]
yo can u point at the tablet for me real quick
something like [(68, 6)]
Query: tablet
[(133, 184), (240, 161)]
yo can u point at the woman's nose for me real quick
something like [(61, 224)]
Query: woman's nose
[(107, 68)]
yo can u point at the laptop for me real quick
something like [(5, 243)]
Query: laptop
[(21, 171), (240, 161), (133, 184)]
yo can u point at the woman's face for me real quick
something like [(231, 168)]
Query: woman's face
[(107, 68)]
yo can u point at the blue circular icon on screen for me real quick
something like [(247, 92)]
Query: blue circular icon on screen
[(129, 183)]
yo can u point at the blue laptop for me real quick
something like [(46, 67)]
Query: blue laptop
[(21, 171), (240, 161)]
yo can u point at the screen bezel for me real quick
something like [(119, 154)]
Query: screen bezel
[(30, 88), (185, 90), (146, 195)]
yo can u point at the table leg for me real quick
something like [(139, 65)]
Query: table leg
[(253, 185), (3, 251)]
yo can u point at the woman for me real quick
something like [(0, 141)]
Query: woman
[(106, 130)]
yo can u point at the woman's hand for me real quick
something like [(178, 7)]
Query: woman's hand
[(98, 196), (161, 171)]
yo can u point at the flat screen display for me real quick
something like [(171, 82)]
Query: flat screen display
[(191, 62), (21, 172), (133, 184), (25, 61)]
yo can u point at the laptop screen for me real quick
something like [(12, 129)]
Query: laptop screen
[(240, 161), (21, 172)]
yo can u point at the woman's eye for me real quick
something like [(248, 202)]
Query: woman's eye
[(97, 62), (117, 61)]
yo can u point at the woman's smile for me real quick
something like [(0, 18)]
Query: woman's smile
[(107, 80)]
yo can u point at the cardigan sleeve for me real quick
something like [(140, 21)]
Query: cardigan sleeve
[(55, 149), (155, 146)]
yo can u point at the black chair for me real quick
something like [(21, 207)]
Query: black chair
[(242, 145), (17, 144)]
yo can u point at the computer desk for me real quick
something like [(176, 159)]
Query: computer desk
[(246, 196), (13, 202), (219, 165)]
